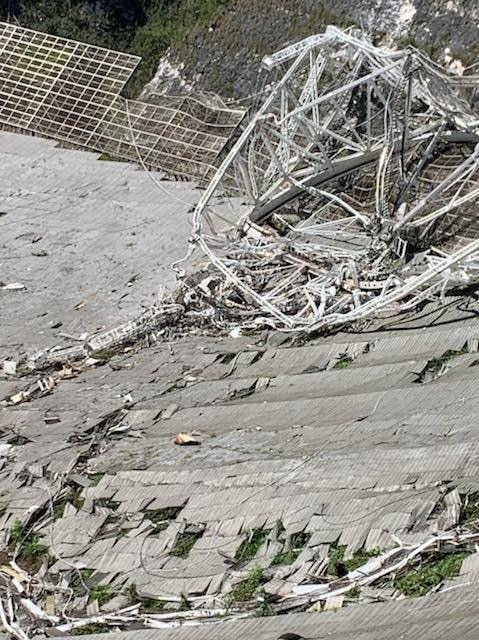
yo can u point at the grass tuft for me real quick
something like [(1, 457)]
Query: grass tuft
[(185, 543), (250, 547), (297, 543), (246, 590), (103, 593), (434, 366), (73, 497), (360, 558), (95, 627), (30, 550), (264, 608), (418, 582), (336, 564), (147, 605), (469, 507), (343, 362)]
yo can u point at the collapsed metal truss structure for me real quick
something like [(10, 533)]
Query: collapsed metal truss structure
[(70, 91), (359, 171), (361, 174)]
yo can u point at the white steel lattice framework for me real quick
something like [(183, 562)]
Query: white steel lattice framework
[(69, 91), (361, 170)]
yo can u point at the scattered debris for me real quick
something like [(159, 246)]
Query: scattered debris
[(185, 439), (9, 367), (13, 286)]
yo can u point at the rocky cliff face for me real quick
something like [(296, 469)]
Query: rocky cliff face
[(225, 56)]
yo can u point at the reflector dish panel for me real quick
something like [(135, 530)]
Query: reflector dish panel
[(70, 91)]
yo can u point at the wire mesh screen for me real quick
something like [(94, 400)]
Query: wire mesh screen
[(70, 91)]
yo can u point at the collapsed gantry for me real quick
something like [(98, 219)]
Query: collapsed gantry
[(360, 172)]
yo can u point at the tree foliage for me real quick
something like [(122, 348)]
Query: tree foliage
[(142, 27)]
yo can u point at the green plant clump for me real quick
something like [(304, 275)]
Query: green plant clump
[(73, 497), (185, 543), (28, 545), (131, 594), (95, 478), (90, 629), (184, 603), (297, 543), (167, 24), (78, 580), (343, 362), (245, 590), (161, 518), (250, 547), (354, 593), (418, 582), (435, 365), (102, 593), (469, 507), (150, 605), (264, 608), (360, 558), (336, 564)]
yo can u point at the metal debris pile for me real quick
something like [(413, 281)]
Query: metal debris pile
[(358, 178), (361, 174)]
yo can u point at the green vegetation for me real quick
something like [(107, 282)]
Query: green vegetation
[(161, 518), (435, 365), (95, 478), (166, 24), (146, 28), (185, 543), (343, 362), (78, 580), (418, 582), (246, 590), (280, 528), (108, 503), (131, 594), (297, 543), (102, 593), (469, 507), (264, 608), (184, 603), (30, 550), (148, 605), (72, 497), (250, 547), (336, 565), (360, 558), (90, 629), (17, 533)]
